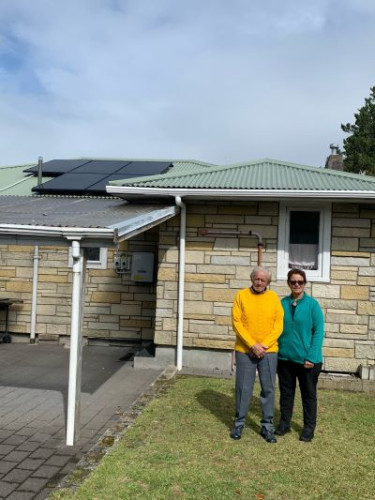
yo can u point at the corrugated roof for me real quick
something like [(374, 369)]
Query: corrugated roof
[(14, 181), (265, 174)]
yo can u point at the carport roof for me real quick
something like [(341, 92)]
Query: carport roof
[(102, 219)]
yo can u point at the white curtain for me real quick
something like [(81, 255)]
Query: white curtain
[(303, 256)]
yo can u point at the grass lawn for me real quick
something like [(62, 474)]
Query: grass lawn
[(179, 448)]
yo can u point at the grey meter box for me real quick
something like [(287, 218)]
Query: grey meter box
[(143, 267)]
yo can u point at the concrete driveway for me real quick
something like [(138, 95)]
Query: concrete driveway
[(33, 400)]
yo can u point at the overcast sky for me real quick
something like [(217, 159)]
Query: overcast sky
[(220, 81)]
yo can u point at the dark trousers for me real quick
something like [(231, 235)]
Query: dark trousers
[(246, 369), (289, 373)]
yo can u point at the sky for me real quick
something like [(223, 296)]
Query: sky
[(221, 81)]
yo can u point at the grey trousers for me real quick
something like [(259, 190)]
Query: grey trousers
[(246, 368)]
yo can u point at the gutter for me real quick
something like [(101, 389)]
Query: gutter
[(55, 232), (181, 283), (238, 193)]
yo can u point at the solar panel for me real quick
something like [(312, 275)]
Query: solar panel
[(101, 167), (69, 183), (99, 187), (92, 176), (58, 167), (145, 167)]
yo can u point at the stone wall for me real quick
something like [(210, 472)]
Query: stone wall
[(115, 307), (217, 267)]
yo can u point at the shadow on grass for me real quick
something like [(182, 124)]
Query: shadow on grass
[(222, 407)]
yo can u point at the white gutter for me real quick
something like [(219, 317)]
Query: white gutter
[(238, 193), (34, 299), (56, 232), (181, 283), (75, 360)]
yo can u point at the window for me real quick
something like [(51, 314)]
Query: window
[(304, 240), (96, 258)]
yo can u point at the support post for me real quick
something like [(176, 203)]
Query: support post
[(75, 361)]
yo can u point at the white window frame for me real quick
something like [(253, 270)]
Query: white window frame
[(321, 274), (93, 264)]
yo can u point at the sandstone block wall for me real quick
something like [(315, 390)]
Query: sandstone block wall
[(115, 307), (217, 267)]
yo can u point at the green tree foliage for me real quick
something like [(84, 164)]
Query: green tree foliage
[(359, 147)]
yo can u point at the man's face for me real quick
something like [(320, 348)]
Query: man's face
[(260, 281)]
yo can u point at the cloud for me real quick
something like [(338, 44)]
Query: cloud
[(215, 80)]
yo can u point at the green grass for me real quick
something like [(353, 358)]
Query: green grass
[(179, 448)]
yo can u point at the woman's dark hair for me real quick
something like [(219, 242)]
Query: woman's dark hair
[(295, 270)]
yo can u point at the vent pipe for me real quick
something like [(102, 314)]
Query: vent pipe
[(40, 170)]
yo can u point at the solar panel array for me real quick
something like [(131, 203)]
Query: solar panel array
[(79, 177)]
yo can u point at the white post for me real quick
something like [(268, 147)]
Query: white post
[(75, 363), (34, 299), (181, 284)]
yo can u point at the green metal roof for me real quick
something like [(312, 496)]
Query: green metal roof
[(265, 174)]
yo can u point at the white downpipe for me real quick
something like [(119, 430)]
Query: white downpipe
[(75, 361), (34, 299), (181, 283)]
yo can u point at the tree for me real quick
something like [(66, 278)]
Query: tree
[(359, 147)]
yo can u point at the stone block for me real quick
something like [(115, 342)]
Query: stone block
[(350, 319), (224, 269), (195, 220), (344, 365), (247, 209), (198, 307), (345, 244), (353, 232), (354, 329), (194, 257), (109, 297), (19, 286), (349, 261), (320, 290), (219, 294), (167, 274), (338, 352), (354, 292), (233, 220), (223, 320), (349, 223), (226, 243), (339, 343), (343, 275), (230, 260), (366, 308), (205, 245), (204, 278), (213, 344), (366, 271), (365, 350)]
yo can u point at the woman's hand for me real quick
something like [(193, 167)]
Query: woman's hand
[(308, 364)]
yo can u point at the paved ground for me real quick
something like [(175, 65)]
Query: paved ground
[(33, 400)]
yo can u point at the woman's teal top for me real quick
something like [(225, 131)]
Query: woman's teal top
[(303, 331)]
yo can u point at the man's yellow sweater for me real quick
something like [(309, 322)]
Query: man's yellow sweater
[(257, 319)]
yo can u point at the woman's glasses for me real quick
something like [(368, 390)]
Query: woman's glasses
[(296, 282)]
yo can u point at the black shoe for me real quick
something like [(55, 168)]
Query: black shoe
[(281, 431), (268, 435), (306, 436), (236, 432)]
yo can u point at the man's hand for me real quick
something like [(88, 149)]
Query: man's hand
[(308, 364), (259, 350)]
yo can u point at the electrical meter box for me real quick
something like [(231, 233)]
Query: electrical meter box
[(142, 267)]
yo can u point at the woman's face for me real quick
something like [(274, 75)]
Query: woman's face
[(296, 284)]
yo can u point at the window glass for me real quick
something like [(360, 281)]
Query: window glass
[(304, 239), (93, 254)]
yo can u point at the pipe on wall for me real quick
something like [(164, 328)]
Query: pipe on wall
[(34, 297), (181, 283)]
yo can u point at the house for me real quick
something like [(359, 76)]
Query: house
[(206, 226), (319, 219)]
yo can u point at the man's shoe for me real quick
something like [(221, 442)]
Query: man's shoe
[(281, 431), (268, 435), (306, 436), (236, 433)]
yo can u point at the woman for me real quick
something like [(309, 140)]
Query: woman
[(300, 355)]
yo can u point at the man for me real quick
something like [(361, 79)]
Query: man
[(257, 319)]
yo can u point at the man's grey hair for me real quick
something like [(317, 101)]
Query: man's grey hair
[(263, 270)]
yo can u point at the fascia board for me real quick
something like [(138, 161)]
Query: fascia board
[(238, 193), (56, 232)]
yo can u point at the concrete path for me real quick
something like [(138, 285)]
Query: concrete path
[(33, 400)]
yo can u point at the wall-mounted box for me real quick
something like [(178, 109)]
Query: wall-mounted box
[(142, 267)]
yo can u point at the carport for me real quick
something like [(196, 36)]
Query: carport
[(79, 223)]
